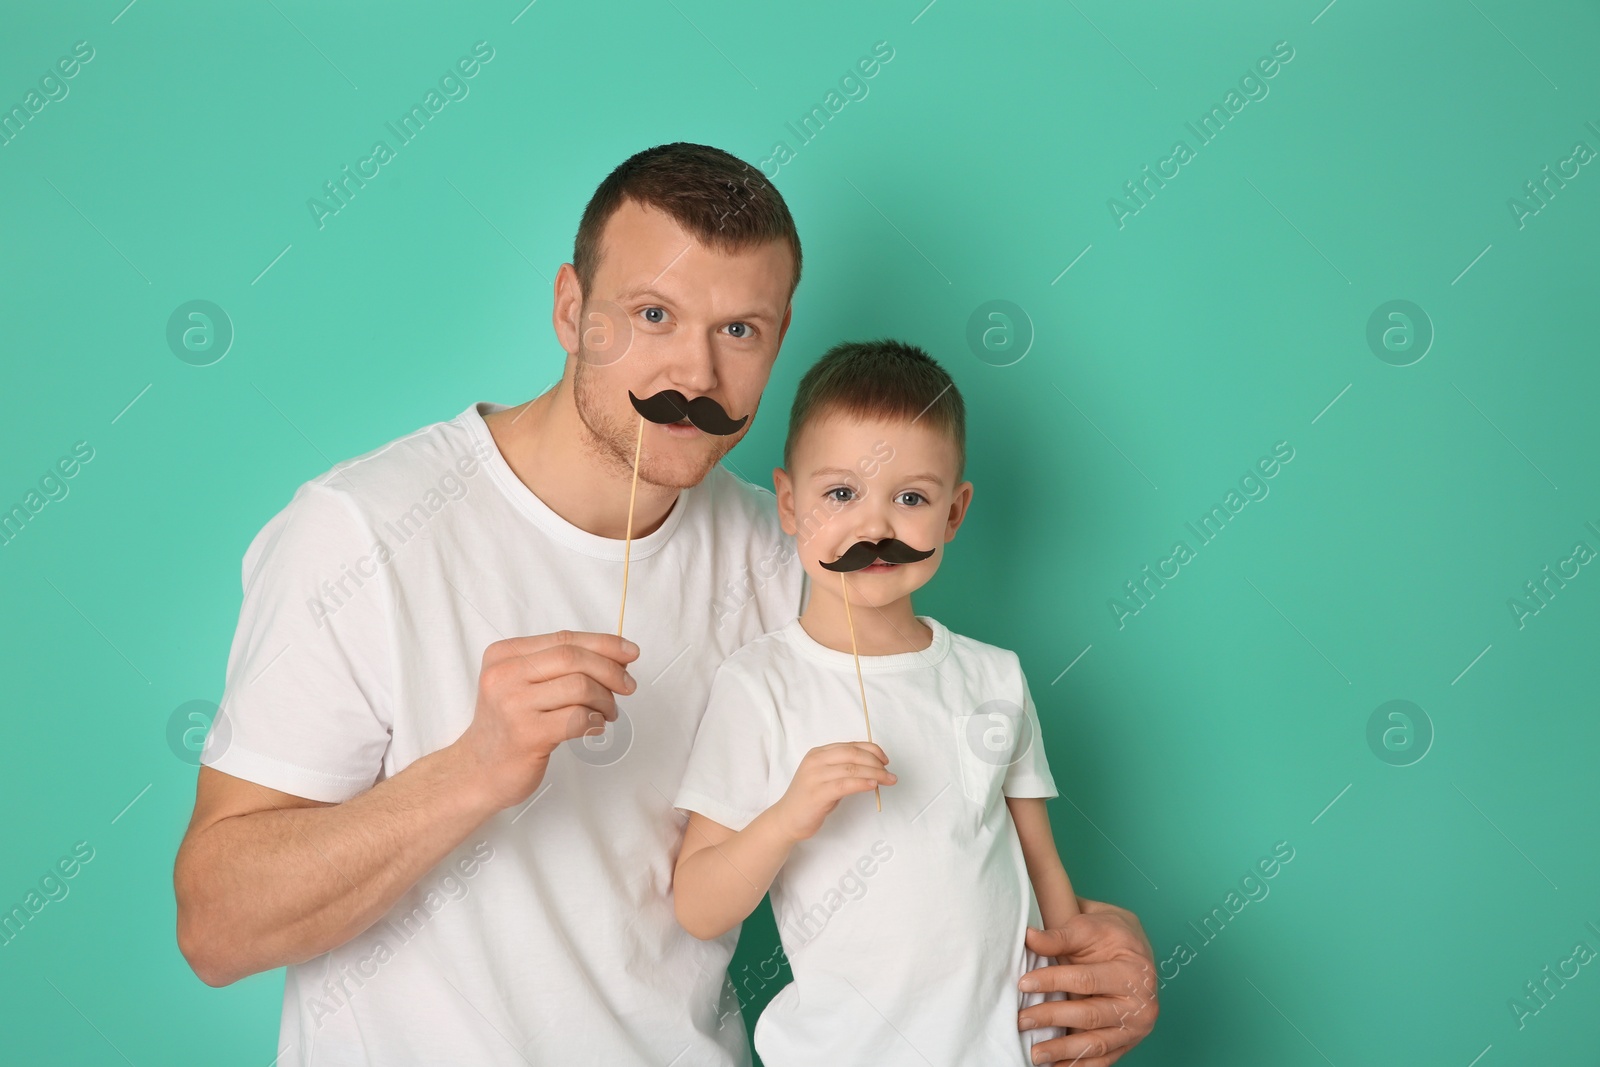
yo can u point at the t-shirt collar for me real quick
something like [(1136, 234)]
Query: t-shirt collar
[(545, 517), (812, 649)]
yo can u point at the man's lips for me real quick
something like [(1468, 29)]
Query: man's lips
[(681, 428)]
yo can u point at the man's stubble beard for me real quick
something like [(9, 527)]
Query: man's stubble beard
[(612, 440)]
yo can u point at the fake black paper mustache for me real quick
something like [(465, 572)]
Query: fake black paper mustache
[(863, 553), (669, 405)]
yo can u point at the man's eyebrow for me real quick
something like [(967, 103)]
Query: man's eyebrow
[(661, 298), (645, 290)]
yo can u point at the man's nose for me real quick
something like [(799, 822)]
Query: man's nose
[(693, 367)]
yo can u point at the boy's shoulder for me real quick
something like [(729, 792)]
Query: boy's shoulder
[(980, 659), (972, 647), (761, 654)]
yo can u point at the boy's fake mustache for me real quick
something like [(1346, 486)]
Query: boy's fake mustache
[(669, 405), (863, 553)]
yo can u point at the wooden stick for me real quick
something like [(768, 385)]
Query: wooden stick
[(627, 544), (859, 683)]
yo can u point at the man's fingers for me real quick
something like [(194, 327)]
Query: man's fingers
[(1090, 1049), (1090, 937), (617, 649), (550, 666), (1089, 1013)]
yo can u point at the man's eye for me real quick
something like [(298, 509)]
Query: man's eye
[(739, 329), (655, 314)]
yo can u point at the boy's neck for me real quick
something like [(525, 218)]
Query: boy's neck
[(879, 631)]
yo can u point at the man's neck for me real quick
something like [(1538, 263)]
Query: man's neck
[(551, 450)]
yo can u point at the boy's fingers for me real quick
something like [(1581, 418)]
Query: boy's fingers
[(863, 772), (855, 752)]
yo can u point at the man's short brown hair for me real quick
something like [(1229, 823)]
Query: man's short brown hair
[(721, 200), (879, 379)]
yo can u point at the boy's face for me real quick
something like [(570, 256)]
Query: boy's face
[(855, 480)]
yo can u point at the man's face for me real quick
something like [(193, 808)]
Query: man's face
[(665, 311), (856, 480)]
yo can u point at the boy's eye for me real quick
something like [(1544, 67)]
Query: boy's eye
[(845, 489), (655, 314), (912, 493), (739, 329)]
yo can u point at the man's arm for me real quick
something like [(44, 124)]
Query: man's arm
[(264, 878), (1108, 961)]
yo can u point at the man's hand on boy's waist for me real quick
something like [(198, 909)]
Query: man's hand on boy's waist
[(1105, 959)]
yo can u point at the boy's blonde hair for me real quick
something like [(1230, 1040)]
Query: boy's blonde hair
[(880, 379)]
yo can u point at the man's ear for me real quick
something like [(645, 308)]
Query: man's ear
[(566, 310), (958, 510), (784, 489)]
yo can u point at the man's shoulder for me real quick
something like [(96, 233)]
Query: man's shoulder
[(438, 457), (428, 467)]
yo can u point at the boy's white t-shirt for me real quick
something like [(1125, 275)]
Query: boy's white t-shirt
[(548, 936), (904, 928)]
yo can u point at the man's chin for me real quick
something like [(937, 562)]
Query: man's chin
[(678, 471)]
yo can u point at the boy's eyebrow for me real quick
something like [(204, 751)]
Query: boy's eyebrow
[(835, 472)]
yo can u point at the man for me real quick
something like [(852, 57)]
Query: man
[(459, 838)]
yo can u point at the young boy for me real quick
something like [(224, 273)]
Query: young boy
[(904, 927)]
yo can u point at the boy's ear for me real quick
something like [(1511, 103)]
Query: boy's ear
[(784, 490), (958, 510)]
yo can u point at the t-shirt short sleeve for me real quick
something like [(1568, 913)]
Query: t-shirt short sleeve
[(729, 777), (304, 707), (1030, 775)]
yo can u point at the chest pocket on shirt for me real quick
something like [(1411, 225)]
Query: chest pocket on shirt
[(988, 741)]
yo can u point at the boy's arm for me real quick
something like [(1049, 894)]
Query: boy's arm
[(722, 874), (1057, 902)]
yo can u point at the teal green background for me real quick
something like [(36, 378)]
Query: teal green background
[(1228, 315)]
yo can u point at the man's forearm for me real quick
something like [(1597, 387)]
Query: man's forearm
[(282, 885)]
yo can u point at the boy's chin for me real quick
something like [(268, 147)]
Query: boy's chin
[(869, 587)]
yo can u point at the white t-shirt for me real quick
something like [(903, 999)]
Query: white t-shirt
[(548, 935), (904, 928)]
